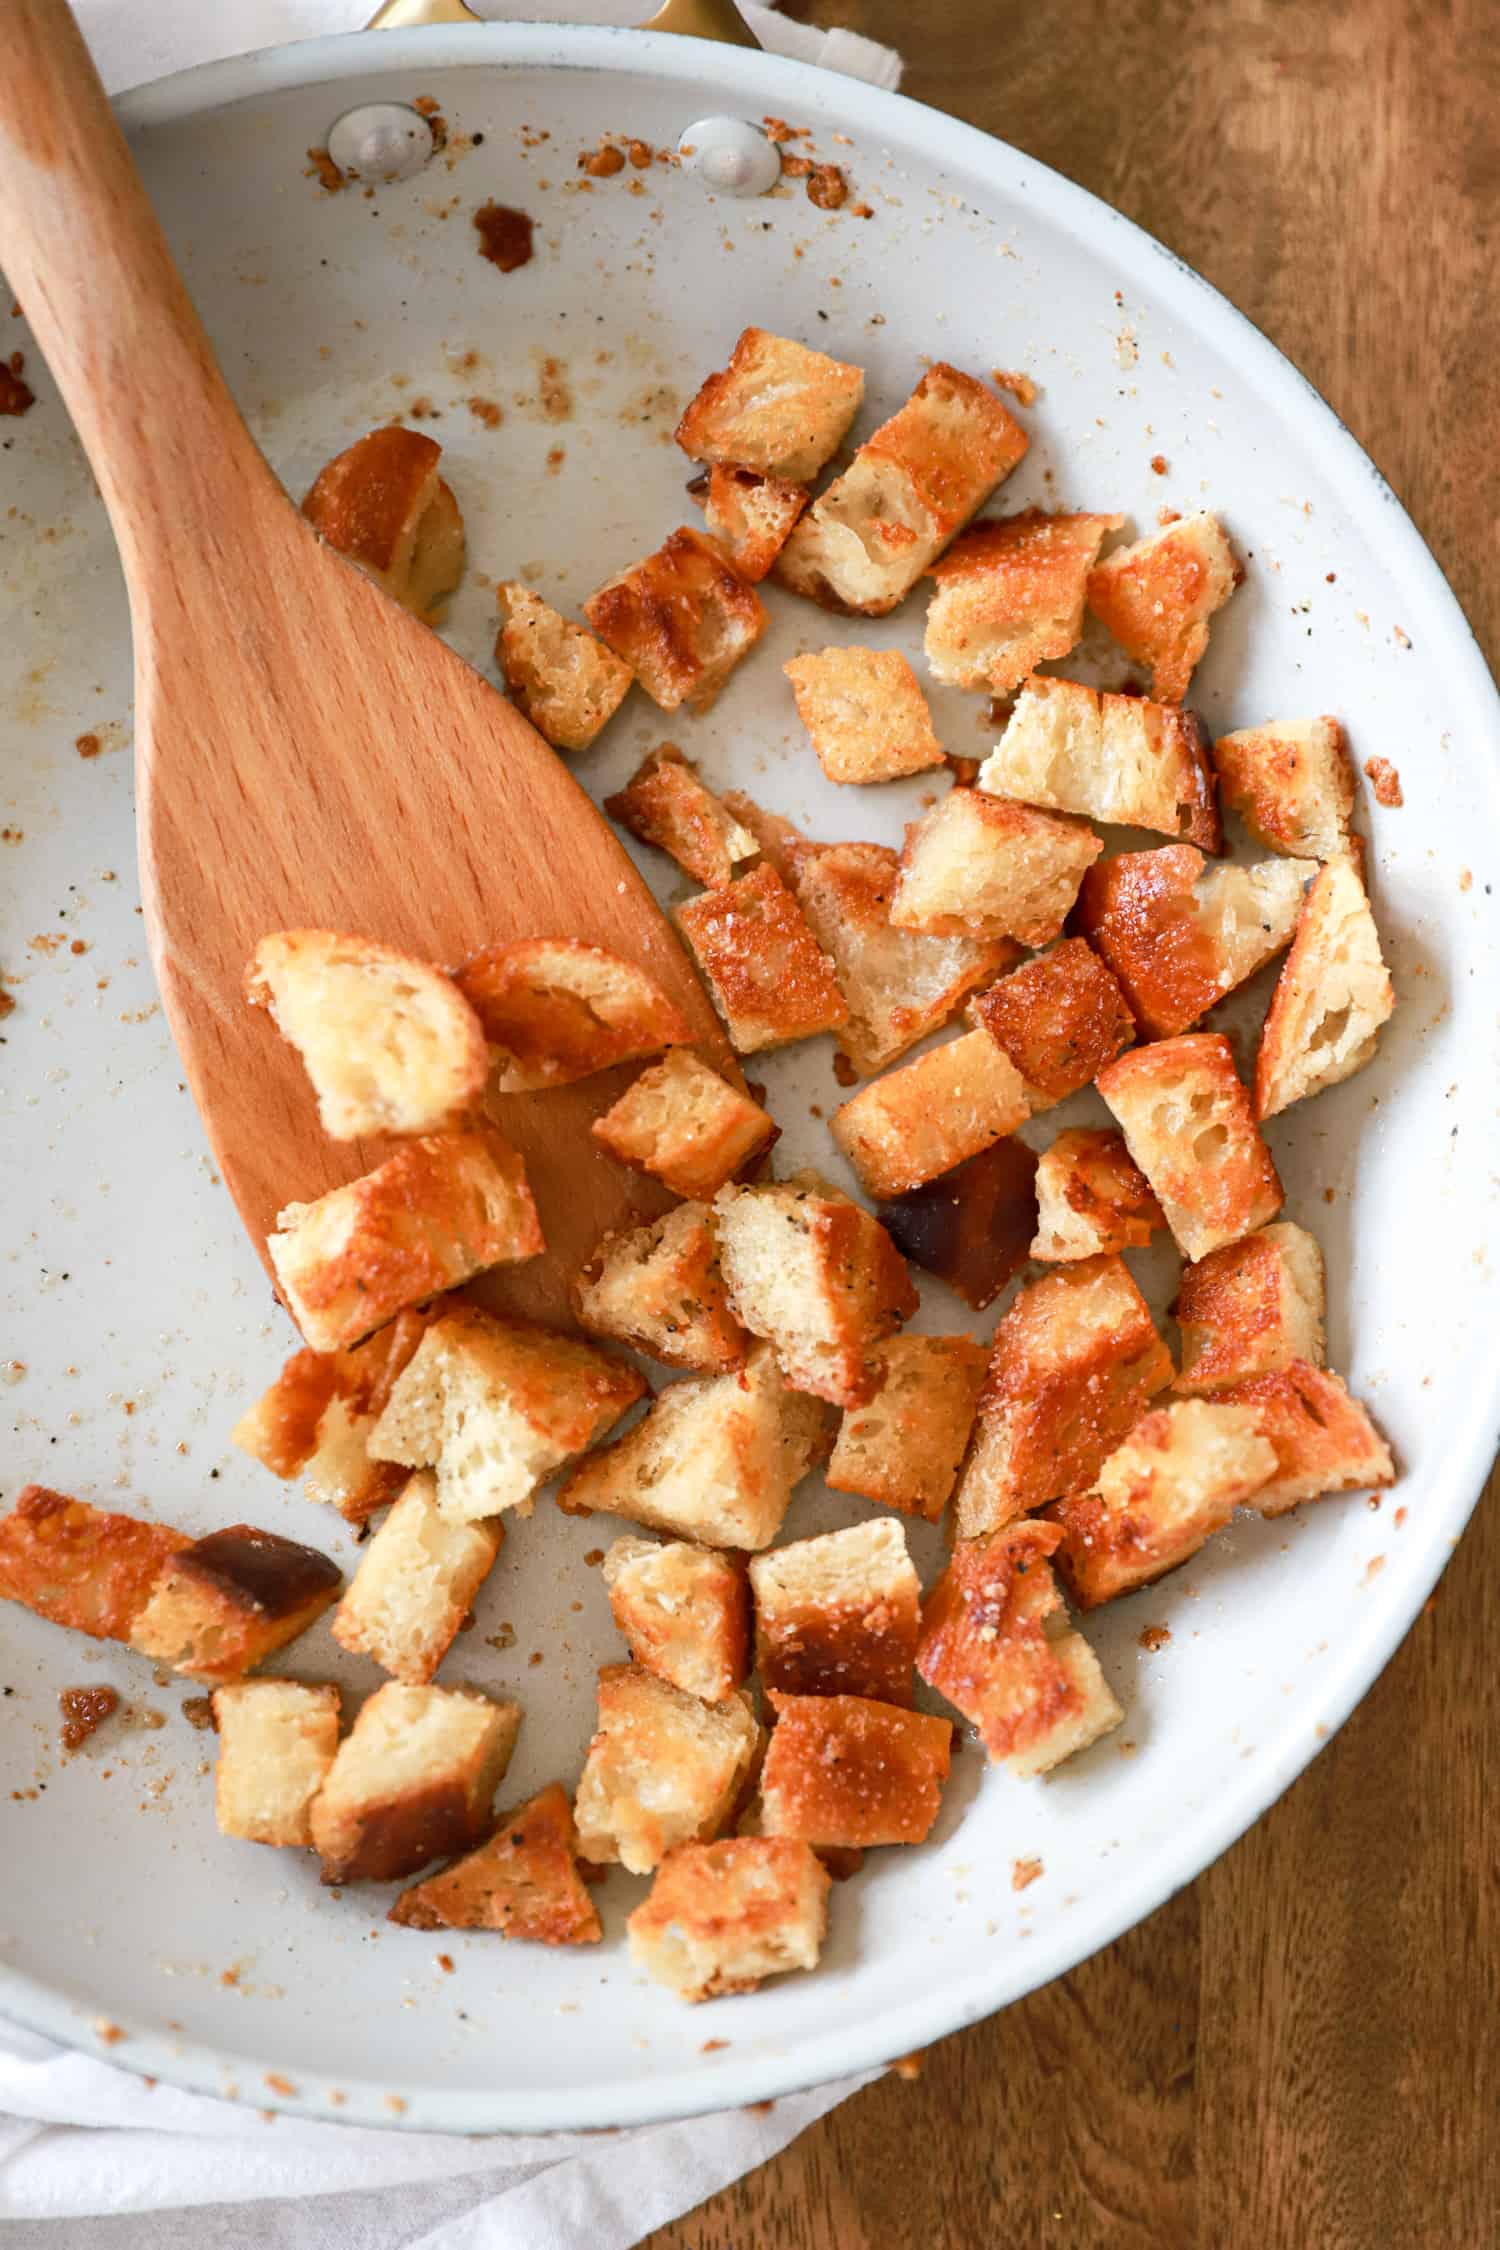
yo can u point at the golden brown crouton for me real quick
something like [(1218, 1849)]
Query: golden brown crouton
[(665, 804), (837, 1615), (1332, 996), (971, 1226), (1059, 1019), (524, 1882), (751, 516), (903, 1446), (555, 1010), (1074, 1361), (317, 1416), (723, 1917), (1179, 932), (1188, 1124), (780, 842), (560, 678), (1250, 1308), (414, 1780), (1323, 1439), (687, 1125), (931, 1114), (843, 1770), (1010, 596), (1118, 758), (224, 1604), (681, 618), (995, 1643), (659, 1289), (663, 1769), (415, 1584), (865, 712), (765, 972), (1091, 1198), (1157, 596), (778, 407), (80, 1566), (277, 1740), (1292, 784), (685, 1612), (978, 866), (382, 504)]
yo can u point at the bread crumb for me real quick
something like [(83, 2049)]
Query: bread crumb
[(1025, 1872), (1154, 1637), (1020, 386), (1385, 781), (110, 2033), (908, 2066)]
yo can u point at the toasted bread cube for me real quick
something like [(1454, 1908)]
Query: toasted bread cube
[(277, 1741), (780, 842), (316, 1418), (751, 516), (1117, 758), (865, 712), (723, 1917), (559, 677), (714, 1460), (1059, 1020), (382, 504), (443, 1208), (1176, 1480), (685, 1612), (1323, 1439), (681, 618), (414, 1780), (415, 1584), (1292, 784), (971, 1226), (1179, 933), (843, 1770), (976, 866), (1091, 1197), (768, 977), (903, 1446), (1010, 596), (687, 1125), (995, 1641), (1188, 1124), (931, 1114), (778, 407), (665, 804), (663, 1769), (867, 539), (1074, 1362), (524, 1882), (224, 1604), (555, 1010), (837, 1615), (494, 1406), (80, 1566), (1251, 1308), (1157, 596), (660, 1290), (1332, 996)]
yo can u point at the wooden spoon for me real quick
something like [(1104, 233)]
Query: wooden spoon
[(307, 753)]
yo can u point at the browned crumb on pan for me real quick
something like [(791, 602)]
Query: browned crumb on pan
[(321, 167), (88, 746), (110, 2033), (1164, 516), (1025, 1872), (505, 235), (1385, 782), (83, 1709), (198, 1710), (828, 187), (908, 2066), (778, 130), (603, 162), (1158, 464), (7, 1003), (426, 105), (1153, 1637), (15, 395), (486, 410), (1020, 386)]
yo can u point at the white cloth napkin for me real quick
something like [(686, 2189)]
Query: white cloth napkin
[(92, 2158)]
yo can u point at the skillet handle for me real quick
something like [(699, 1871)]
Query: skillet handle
[(696, 19)]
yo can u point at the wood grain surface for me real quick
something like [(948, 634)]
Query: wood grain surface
[(1300, 2052)]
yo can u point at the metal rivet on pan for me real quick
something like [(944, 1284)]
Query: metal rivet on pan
[(730, 156), (380, 141)]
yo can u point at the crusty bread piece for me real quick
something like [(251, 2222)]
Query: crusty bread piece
[(764, 969), (1073, 1363), (972, 1227), (931, 1114), (1323, 1439), (382, 504), (687, 1125), (995, 1641), (1059, 1019), (560, 678), (979, 866), (223, 1604), (316, 1418), (1179, 932), (903, 1446), (723, 1917), (780, 842), (555, 1010), (1091, 1197), (666, 804), (1157, 596), (685, 1612), (1117, 758), (1292, 784), (1332, 996), (660, 1290), (682, 618), (1188, 1124), (414, 1780), (81, 1566), (524, 1882), (846, 1770), (415, 1584), (865, 712), (443, 1208), (1010, 596), (277, 1741), (751, 516), (778, 407), (663, 1769), (1250, 1308), (494, 1406), (837, 1615)]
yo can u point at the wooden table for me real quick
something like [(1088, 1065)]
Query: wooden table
[(1301, 2051)]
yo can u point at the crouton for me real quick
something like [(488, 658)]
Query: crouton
[(1188, 1124), (1074, 1362), (80, 1566), (764, 969), (1091, 1198), (778, 407), (903, 1446), (559, 677), (817, 1277), (780, 842), (1010, 596), (837, 1615), (494, 1406), (415, 1584), (1332, 996), (865, 712), (1323, 1439), (225, 1603), (723, 1917), (977, 866), (383, 506), (971, 1226), (681, 618), (316, 1418), (931, 1114), (715, 1460), (1292, 784), (1180, 933), (1250, 1308), (1157, 596), (1059, 1020), (751, 516), (659, 1289), (867, 539), (844, 1770), (996, 1644), (524, 1882), (555, 1010), (687, 1125), (664, 803), (663, 1769), (1116, 758), (685, 1612), (1177, 1479), (277, 1741), (414, 1780)]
